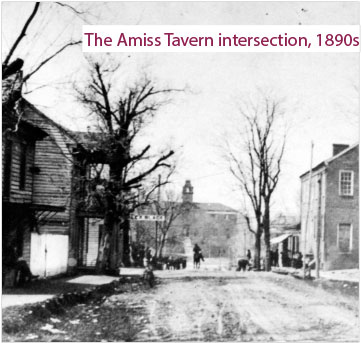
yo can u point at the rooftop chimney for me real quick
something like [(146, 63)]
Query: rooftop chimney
[(337, 148)]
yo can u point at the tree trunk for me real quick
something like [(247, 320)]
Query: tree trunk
[(103, 252), (126, 249), (266, 226), (114, 250), (105, 249), (162, 245), (257, 249)]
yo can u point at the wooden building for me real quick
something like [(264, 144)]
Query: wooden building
[(44, 187), (55, 184), (38, 192)]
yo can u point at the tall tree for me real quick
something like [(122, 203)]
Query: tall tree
[(122, 116), (255, 162)]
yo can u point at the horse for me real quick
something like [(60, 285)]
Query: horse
[(197, 257)]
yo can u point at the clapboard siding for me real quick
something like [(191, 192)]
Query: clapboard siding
[(48, 181), (53, 184)]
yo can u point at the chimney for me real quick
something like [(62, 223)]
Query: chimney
[(187, 192), (337, 148)]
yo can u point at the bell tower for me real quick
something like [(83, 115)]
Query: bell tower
[(187, 192)]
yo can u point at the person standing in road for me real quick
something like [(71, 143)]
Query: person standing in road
[(248, 255)]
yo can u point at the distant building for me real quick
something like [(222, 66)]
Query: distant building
[(212, 226), (333, 208), (284, 239)]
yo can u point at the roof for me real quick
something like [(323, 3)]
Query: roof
[(331, 159), (27, 117), (57, 133), (214, 207), (211, 207), (281, 238), (90, 140), (11, 123), (284, 221)]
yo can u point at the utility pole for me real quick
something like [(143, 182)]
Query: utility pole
[(318, 233), (308, 209)]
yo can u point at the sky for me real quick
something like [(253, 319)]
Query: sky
[(320, 90)]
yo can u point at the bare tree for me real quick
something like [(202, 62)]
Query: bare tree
[(171, 208), (121, 116), (255, 162)]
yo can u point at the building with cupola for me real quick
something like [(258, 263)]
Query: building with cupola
[(211, 225)]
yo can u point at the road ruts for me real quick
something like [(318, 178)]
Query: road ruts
[(257, 307)]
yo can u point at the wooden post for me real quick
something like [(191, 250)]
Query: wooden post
[(317, 250), (308, 209)]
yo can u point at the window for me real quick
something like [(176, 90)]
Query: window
[(345, 182), (22, 178), (344, 237)]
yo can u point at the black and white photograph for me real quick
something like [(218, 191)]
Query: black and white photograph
[(184, 195)]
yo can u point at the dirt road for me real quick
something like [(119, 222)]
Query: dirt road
[(253, 307)]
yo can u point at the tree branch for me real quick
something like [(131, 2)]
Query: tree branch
[(22, 34), (49, 58)]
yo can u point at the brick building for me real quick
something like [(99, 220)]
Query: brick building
[(212, 226), (332, 209)]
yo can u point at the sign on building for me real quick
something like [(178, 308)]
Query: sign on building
[(148, 217)]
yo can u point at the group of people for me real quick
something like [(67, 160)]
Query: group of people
[(286, 259), (173, 263), (141, 255)]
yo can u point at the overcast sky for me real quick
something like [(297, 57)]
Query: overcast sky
[(321, 89)]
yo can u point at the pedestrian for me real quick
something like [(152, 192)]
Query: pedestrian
[(285, 259), (145, 261), (25, 275), (272, 258), (149, 255), (248, 255)]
